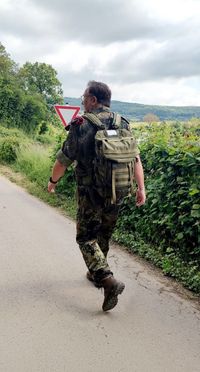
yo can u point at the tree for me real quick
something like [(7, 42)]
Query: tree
[(41, 78), (26, 94), (7, 66), (10, 95), (149, 118), (33, 114)]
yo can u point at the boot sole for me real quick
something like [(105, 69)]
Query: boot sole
[(112, 299)]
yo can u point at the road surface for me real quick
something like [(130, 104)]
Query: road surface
[(50, 315)]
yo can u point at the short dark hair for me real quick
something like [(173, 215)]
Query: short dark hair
[(101, 91)]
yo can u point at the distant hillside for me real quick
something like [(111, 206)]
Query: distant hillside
[(136, 111)]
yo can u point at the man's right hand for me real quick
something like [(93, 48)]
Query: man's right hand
[(57, 172), (51, 187)]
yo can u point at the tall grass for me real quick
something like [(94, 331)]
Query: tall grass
[(34, 161)]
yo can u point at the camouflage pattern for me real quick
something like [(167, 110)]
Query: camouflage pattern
[(96, 217), (96, 220), (80, 145)]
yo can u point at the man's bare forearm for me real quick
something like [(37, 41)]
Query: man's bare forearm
[(58, 171), (139, 173)]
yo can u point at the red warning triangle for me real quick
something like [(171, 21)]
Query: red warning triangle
[(67, 113)]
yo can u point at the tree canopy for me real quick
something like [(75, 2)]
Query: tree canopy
[(26, 93), (41, 78)]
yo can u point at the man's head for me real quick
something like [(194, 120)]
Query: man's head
[(96, 95)]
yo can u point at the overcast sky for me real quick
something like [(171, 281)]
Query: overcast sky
[(148, 51)]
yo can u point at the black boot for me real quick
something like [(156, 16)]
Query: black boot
[(112, 288)]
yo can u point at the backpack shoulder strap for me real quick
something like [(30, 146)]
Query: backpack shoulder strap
[(92, 118), (124, 119), (116, 121)]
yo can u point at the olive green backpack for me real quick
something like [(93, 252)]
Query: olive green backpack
[(115, 152)]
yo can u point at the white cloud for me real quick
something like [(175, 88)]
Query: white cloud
[(175, 10), (169, 92)]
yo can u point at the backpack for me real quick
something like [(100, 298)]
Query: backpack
[(115, 152)]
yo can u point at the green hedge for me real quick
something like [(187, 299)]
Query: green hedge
[(170, 217), (169, 221)]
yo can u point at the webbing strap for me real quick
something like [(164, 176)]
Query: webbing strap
[(114, 198), (116, 120), (131, 177), (94, 119)]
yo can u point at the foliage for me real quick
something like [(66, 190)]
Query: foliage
[(170, 217), (33, 114), (11, 141), (67, 184), (47, 133), (23, 103), (8, 149), (7, 66), (10, 95), (11, 132), (41, 78)]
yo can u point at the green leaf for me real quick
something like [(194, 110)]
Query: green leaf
[(195, 213), (179, 236), (193, 192), (196, 206)]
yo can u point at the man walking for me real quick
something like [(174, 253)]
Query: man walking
[(97, 210)]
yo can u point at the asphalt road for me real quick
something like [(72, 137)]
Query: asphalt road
[(50, 315)]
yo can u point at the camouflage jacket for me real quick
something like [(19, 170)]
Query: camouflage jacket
[(80, 145)]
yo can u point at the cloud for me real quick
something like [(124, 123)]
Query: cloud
[(23, 20), (101, 21), (126, 43), (91, 22), (184, 92), (151, 61)]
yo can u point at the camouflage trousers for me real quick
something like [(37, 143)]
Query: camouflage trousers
[(95, 223)]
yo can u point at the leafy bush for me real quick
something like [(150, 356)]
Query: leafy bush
[(9, 147), (47, 133), (170, 218), (11, 141)]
